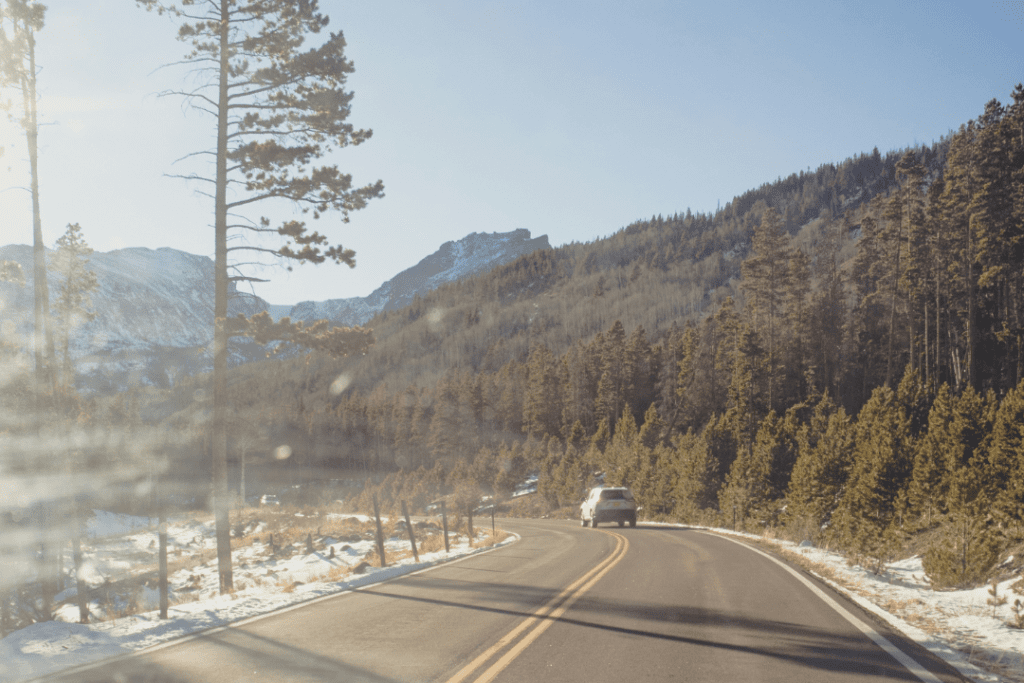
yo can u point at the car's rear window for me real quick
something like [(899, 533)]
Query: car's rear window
[(614, 495)]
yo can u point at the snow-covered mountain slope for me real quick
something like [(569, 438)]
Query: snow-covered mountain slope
[(154, 308), (476, 253), (151, 306)]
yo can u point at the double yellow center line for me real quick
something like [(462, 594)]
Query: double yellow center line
[(538, 622)]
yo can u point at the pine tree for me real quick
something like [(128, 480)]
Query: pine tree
[(766, 275), (969, 543), (24, 19), (748, 486), (828, 311), (688, 360), (611, 386), (571, 471), (279, 110), (580, 388), (866, 368), (75, 283), (623, 455), (935, 453), (510, 386), (402, 419), (542, 405), (959, 190), (640, 370), (722, 335), (825, 453), (444, 440), (796, 332), (867, 521), (695, 477), (650, 484), (745, 393), (910, 193), (549, 480), (1003, 489)]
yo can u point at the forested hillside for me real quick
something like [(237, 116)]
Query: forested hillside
[(838, 353)]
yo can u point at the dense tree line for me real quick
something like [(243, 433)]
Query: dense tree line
[(837, 354)]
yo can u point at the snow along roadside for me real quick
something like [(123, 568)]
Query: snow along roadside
[(50, 647), (998, 637)]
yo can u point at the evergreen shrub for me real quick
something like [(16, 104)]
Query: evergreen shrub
[(949, 566)]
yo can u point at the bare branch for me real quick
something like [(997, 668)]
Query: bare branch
[(191, 176)]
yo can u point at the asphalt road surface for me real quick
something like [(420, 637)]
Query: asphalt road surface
[(563, 604)]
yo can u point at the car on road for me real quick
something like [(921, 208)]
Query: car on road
[(608, 504)]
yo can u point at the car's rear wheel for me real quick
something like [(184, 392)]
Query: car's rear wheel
[(632, 523), (583, 521)]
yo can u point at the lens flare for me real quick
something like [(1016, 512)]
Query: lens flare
[(340, 384)]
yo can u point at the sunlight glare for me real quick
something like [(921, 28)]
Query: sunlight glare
[(340, 384)]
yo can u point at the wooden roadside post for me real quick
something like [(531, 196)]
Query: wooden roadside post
[(81, 587), (163, 561), (5, 611), (493, 532), (380, 533), (469, 518), (444, 523), (412, 536)]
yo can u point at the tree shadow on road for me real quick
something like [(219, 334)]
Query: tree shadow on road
[(717, 630), (266, 659)]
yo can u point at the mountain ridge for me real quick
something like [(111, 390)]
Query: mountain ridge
[(454, 260), (154, 307)]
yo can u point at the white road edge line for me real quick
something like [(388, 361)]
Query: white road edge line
[(256, 617), (906, 660)]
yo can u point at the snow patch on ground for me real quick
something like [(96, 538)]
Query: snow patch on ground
[(263, 583)]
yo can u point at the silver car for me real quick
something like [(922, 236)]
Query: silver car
[(608, 504)]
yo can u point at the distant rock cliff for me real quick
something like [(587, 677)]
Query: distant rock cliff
[(476, 253)]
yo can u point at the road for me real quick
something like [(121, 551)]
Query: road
[(563, 604)]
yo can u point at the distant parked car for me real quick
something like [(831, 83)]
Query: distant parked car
[(608, 504), (269, 499)]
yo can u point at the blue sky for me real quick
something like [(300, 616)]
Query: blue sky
[(570, 119)]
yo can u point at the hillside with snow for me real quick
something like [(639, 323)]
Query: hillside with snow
[(474, 254), (154, 307)]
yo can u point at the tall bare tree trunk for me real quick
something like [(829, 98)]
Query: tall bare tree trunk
[(972, 327), (926, 363), (81, 586), (43, 332), (219, 448), (43, 338), (938, 334), (892, 308)]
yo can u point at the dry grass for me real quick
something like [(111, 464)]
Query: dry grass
[(825, 571), (338, 573), (1008, 666), (398, 555), (491, 539), (431, 544), (372, 558), (191, 561), (534, 506)]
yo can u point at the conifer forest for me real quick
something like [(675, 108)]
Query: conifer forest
[(836, 356)]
